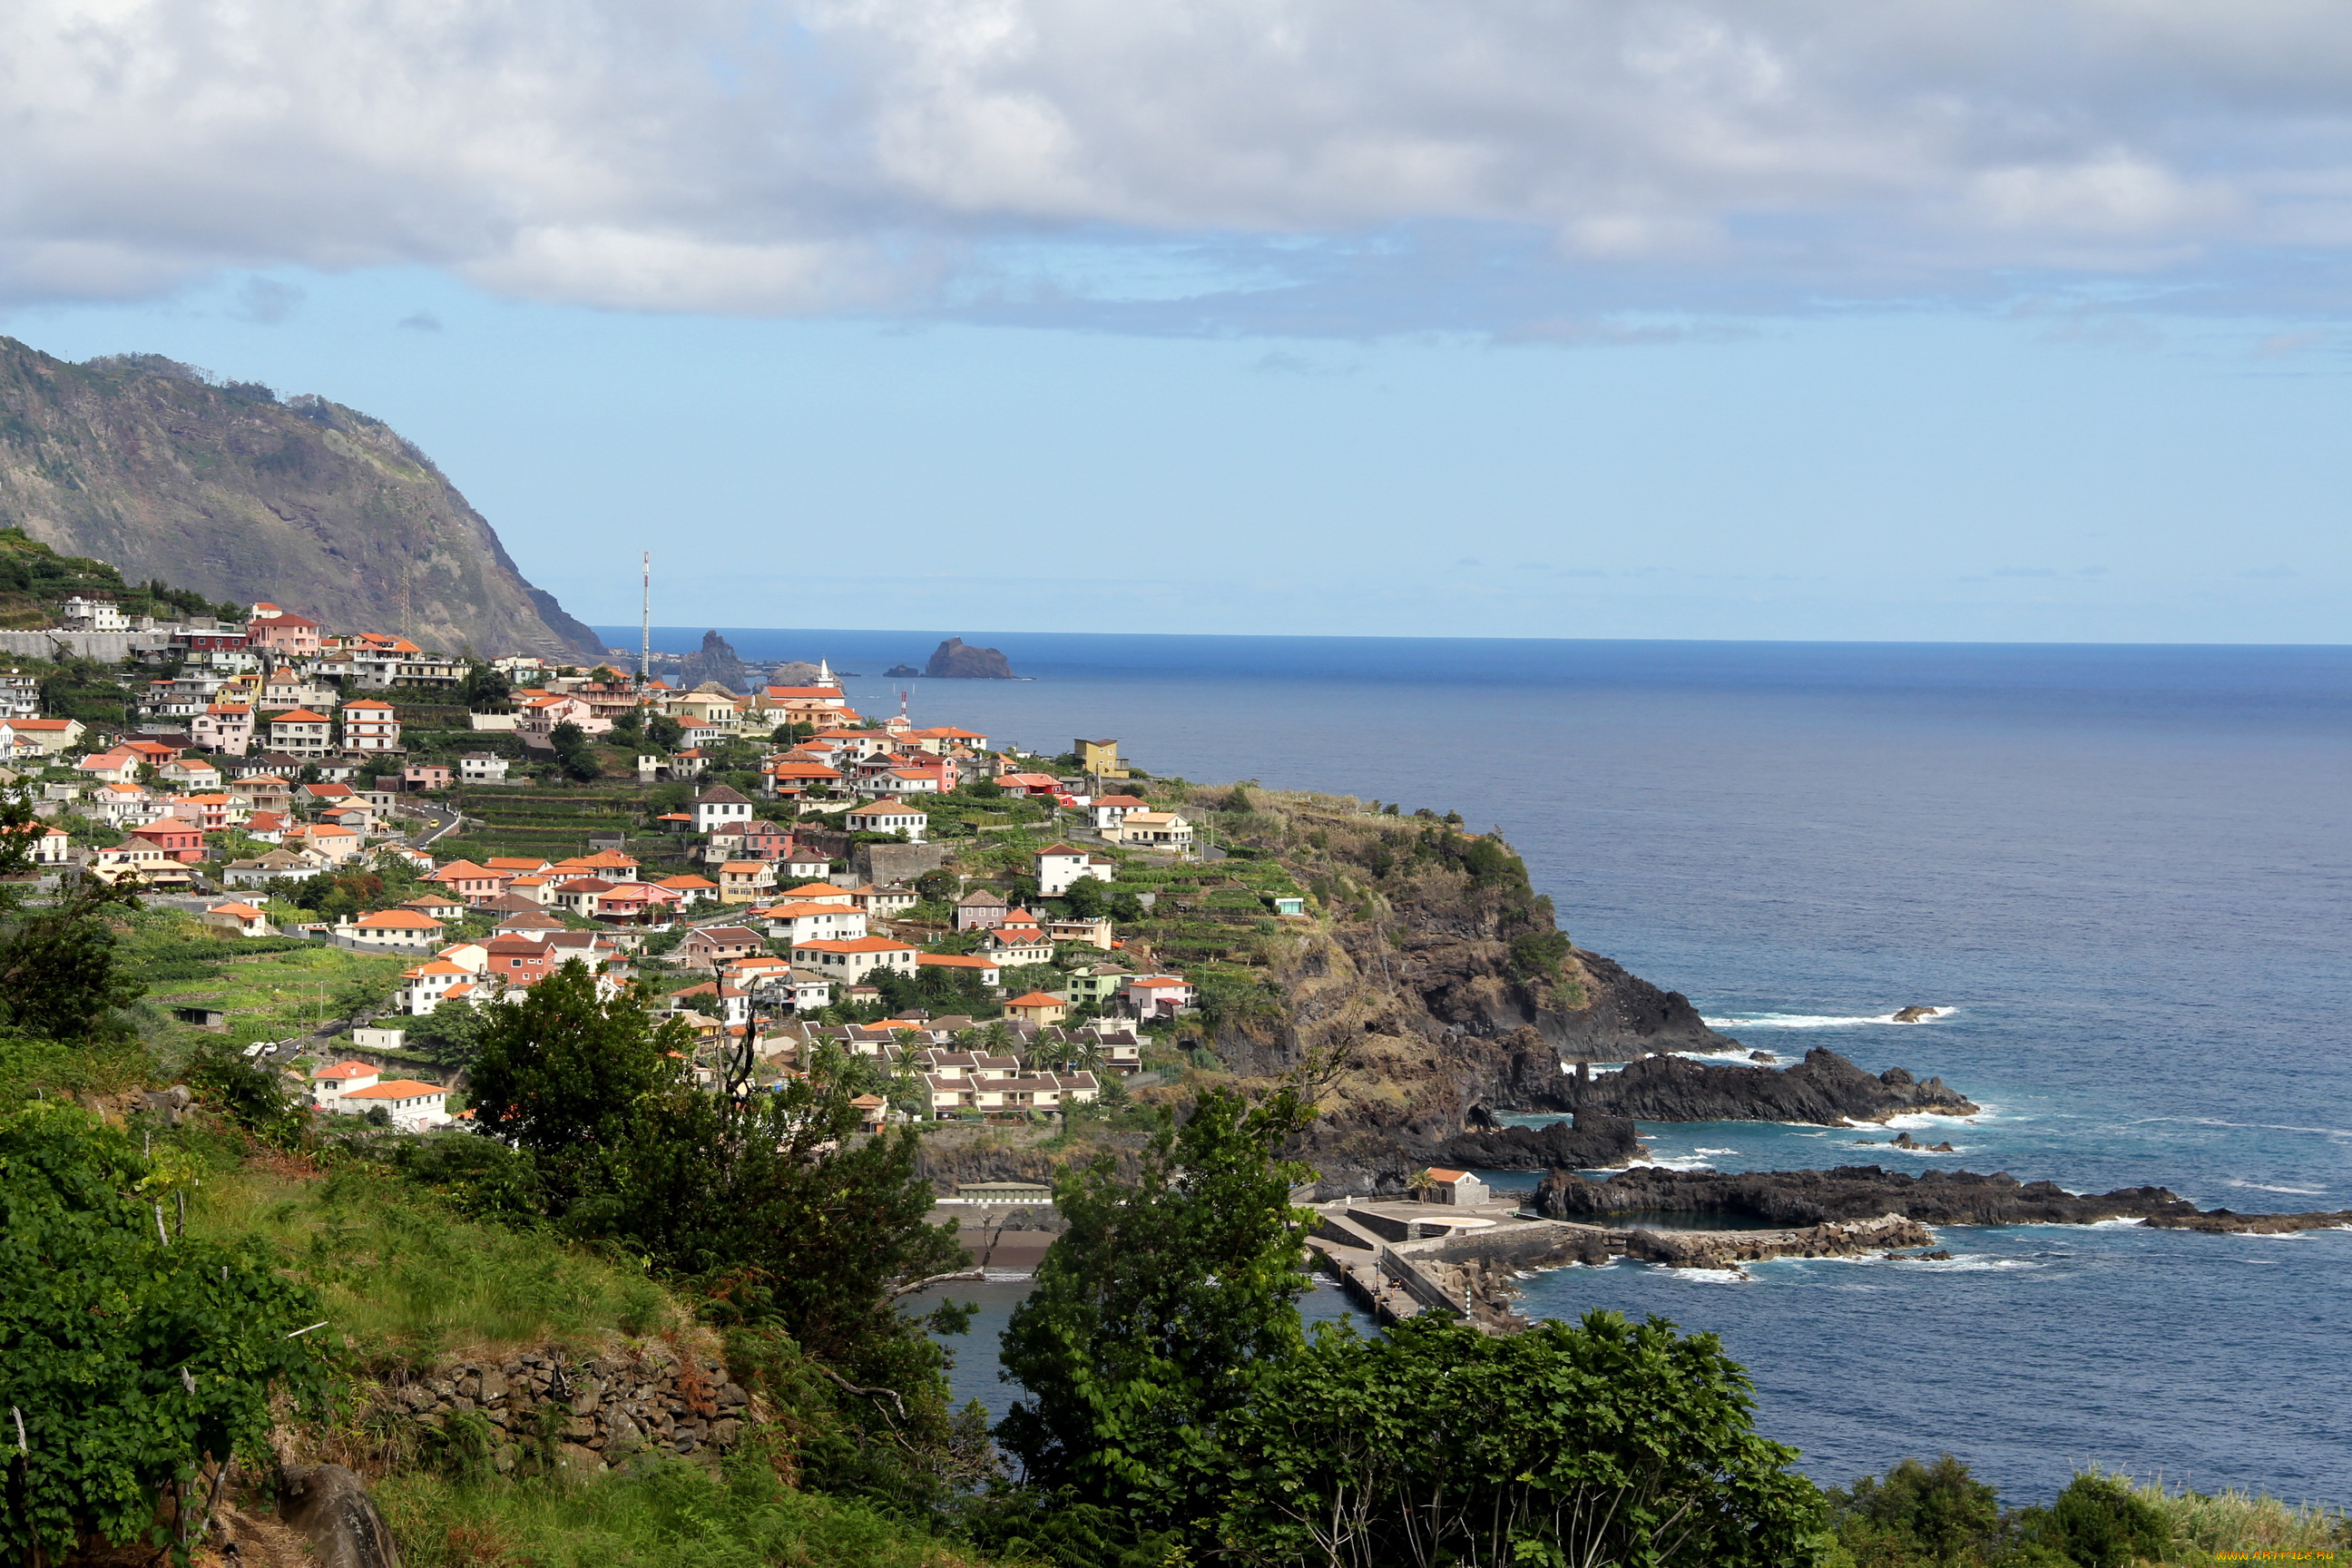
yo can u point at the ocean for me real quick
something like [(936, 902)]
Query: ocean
[(2124, 869)]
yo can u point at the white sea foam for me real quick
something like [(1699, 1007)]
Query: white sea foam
[(1713, 1276), (1917, 1121), (1714, 1151), (1817, 1020), (1678, 1163), (2264, 1187)]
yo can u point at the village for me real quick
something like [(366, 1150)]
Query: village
[(955, 912)]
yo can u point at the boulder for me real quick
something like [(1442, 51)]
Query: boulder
[(331, 1509)]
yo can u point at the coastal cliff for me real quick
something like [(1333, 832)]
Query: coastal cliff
[(1441, 984), (223, 488)]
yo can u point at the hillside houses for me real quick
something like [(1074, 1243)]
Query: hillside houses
[(804, 864)]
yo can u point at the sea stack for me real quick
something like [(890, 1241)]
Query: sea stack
[(955, 659)]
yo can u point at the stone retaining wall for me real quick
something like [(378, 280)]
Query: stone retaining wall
[(612, 1405)]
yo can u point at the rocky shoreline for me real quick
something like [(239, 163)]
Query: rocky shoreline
[(1852, 1193), (1824, 1088)]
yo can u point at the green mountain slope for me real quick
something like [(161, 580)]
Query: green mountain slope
[(224, 490)]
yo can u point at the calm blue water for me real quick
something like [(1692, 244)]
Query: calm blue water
[(2127, 868)]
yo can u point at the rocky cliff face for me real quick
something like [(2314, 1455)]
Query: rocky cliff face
[(1444, 981), (227, 490), (715, 660)]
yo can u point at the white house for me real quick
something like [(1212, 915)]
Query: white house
[(796, 923), (1063, 865), (480, 767), (889, 816), (393, 930), (239, 920), (1457, 1187), (329, 1085), (850, 961), (370, 725), (413, 1106), (719, 805), (424, 987), (1108, 811), (88, 614), (1153, 830)]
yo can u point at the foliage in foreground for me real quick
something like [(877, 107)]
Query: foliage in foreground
[(1173, 1402), (134, 1358), (1939, 1516), (673, 1515)]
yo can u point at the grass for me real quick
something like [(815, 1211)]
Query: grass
[(272, 996), (672, 1515), (405, 1281), (2206, 1525)]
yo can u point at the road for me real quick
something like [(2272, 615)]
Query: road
[(444, 818)]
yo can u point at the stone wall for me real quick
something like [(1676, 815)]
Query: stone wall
[(611, 1406)]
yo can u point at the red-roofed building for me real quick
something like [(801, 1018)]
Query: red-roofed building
[(393, 930), (412, 1105), (1038, 1007), (282, 631), (183, 841), (474, 884), (299, 732), (517, 961), (852, 960), (985, 968), (369, 724)]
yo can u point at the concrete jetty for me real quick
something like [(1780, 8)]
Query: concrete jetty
[(1400, 1260)]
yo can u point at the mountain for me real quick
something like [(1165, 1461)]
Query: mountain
[(223, 488)]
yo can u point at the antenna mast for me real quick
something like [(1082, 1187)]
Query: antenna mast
[(645, 646)]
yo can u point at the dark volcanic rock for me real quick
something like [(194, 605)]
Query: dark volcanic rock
[(2227, 1222), (715, 660), (1589, 1142), (1823, 1088), (1848, 1192), (957, 660)]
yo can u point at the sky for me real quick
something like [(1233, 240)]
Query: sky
[(1978, 320)]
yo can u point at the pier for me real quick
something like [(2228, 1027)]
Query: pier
[(1400, 1260)]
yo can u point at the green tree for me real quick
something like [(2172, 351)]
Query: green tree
[(59, 975), (1599, 1442), (568, 1077), (1920, 1513), (664, 733), (451, 1034), (484, 688), (795, 1232), (573, 753), (1156, 1309), (133, 1358)]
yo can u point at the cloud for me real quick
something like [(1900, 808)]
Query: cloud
[(266, 302), (422, 321), (1525, 168), (2269, 571)]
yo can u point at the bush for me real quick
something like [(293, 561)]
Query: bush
[(133, 1358)]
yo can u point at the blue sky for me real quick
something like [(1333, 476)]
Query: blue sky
[(1777, 320)]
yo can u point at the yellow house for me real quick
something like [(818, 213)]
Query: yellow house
[(1039, 1007), (1100, 758)]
